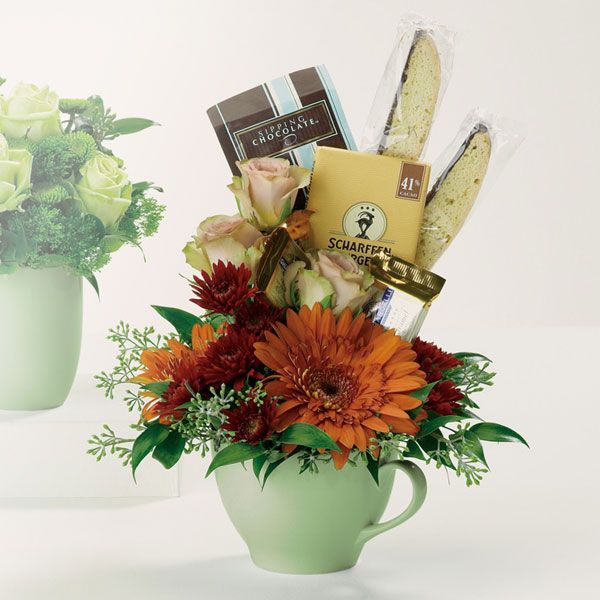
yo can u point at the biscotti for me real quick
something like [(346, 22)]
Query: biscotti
[(452, 196), (410, 91), (411, 116)]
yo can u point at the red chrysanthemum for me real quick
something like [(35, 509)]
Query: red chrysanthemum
[(251, 422), (178, 365), (186, 379), (225, 290), (257, 316), (444, 398), (230, 359), (433, 360)]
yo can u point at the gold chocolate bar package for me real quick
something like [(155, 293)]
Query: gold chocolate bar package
[(365, 204)]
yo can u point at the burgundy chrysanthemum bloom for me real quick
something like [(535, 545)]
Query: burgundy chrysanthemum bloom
[(433, 360), (250, 421), (225, 290), (257, 316), (187, 378), (444, 398), (230, 359)]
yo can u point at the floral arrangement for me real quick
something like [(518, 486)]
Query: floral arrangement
[(65, 198), (315, 379)]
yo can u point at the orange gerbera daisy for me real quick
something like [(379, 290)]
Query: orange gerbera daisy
[(349, 377), (174, 364)]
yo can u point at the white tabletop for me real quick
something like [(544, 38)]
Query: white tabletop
[(529, 531)]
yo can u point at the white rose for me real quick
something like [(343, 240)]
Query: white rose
[(15, 176), (30, 111), (104, 189)]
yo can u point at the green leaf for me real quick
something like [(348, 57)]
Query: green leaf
[(474, 446), (146, 442), (437, 422), (422, 393), (235, 453), (91, 278), (413, 450), (373, 468), (429, 445), (270, 468), (168, 452), (157, 387), (307, 435), (493, 432), (258, 463), (182, 320), (131, 125), (144, 186), (473, 356)]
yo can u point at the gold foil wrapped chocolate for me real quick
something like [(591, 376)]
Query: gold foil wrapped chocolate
[(406, 293)]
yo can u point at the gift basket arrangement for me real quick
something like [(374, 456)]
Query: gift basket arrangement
[(297, 366), (66, 205)]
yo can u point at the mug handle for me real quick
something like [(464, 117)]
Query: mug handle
[(419, 492)]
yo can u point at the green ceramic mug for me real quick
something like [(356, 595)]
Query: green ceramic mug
[(313, 523), (40, 332)]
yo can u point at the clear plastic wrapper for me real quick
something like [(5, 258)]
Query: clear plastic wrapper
[(472, 161), (410, 91)]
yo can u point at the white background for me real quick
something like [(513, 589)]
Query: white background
[(522, 285)]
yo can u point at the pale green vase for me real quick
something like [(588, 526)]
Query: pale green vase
[(314, 522), (40, 337)]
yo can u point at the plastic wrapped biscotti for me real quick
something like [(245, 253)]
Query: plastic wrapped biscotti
[(410, 91), (476, 155)]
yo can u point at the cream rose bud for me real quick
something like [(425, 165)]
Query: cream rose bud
[(267, 190), (30, 111), (104, 189), (352, 283), (230, 239), (15, 176), (334, 279)]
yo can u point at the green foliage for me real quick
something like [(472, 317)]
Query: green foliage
[(91, 116), (107, 442), (202, 423), (422, 393), (131, 125), (235, 453), (146, 442), (52, 193), (142, 218), (182, 320), (169, 451), (131, 342), (493, 432), (307, 435), (59, 157), (56, 235)]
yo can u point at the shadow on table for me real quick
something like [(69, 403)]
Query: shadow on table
[(230, 578)]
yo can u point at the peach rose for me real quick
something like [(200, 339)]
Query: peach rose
[(267, 190)]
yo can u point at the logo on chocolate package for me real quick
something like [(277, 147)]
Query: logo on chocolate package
[(410, 181), (287, 132), (365, 221)]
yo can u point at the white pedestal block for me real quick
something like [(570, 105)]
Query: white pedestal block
[(43, 454)]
